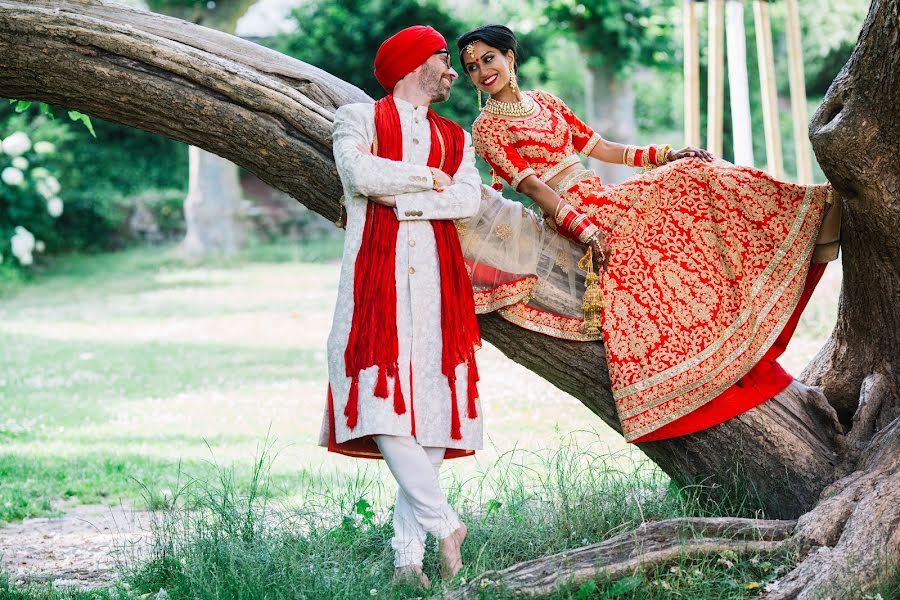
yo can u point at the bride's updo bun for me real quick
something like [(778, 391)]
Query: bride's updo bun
[(497, 36)]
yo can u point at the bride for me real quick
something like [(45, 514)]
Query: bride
[(704, 266)]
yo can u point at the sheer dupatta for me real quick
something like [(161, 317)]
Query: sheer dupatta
[(523, 269)]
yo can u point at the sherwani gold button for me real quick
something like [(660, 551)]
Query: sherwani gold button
[(412, 270), (415, 141), (412, 242)]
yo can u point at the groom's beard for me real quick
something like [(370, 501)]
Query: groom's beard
[(434, 84)]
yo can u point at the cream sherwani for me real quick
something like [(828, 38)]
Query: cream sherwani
[(425, 390)]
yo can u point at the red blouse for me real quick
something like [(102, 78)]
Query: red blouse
[(543, 144)]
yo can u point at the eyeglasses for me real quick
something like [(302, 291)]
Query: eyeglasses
[(446, 56)]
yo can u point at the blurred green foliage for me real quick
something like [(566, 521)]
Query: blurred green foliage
[(98, 177), (619, 35), (218, 14)]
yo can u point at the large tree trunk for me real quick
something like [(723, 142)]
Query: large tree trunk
[(273, 116)]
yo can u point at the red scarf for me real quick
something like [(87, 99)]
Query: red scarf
[(373, 333)]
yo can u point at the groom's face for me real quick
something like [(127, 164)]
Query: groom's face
[(436, 76)]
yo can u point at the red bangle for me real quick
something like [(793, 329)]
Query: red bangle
[(581, 227), (638, 157), (568, 218), (651, 155)]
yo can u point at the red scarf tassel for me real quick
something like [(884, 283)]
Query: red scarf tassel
[(351, 411), (455, 428), (472, 380), (399, 403)]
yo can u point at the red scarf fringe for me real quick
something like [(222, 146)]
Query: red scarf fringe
[(373, 331)]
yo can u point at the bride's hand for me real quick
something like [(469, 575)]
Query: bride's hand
[(600, 251), (690, 152)]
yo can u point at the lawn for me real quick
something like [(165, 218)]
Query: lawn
[(124, 376)]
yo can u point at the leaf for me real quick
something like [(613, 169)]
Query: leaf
[(587, 588), (363, 509), (21, 105), (625, 585), (751, 585), (493, 506), (77, 116)]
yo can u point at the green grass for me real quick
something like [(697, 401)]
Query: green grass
[(336, 545)]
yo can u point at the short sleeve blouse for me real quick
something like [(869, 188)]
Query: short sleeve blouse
[(536, 145)]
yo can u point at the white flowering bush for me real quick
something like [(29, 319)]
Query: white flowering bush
[(32, 199)]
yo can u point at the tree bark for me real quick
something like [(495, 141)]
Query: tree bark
[(273, 116)]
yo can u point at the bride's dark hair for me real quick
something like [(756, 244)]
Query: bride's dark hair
[(498, 36)]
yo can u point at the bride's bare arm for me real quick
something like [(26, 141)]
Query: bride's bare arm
[(552, 205), (614, 152)]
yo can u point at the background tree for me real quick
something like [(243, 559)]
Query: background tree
[(212, 205), (615, 37), (830, 456)]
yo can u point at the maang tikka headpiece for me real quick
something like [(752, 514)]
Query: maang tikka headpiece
[(470, 49)]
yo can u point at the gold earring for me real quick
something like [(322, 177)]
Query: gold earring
[(479, 99), (513, 82)]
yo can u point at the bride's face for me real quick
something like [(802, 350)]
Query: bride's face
[(488, 67)]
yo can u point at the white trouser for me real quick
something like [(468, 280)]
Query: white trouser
[(421, 505)]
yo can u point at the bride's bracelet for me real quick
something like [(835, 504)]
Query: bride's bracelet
[(575, 223), (648, 156)]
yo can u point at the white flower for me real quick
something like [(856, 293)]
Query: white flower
[(373, 592), (39, 246), (44, 147), (53, 182), (54, 207), (48, 187), (16, 144), (40, 173), (20, 162), (12, 176), (22, 244)]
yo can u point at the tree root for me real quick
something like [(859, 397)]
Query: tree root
[(650, 545)]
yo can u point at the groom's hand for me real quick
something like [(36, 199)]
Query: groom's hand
[(441, 179), (389, 201)]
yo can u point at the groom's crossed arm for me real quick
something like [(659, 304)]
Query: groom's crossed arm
[(411, 185), (363, 173)]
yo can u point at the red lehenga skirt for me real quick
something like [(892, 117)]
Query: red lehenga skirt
[(709, 271)]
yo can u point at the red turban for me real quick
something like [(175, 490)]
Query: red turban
[(403, 52)]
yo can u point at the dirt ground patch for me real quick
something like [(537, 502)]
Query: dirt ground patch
[(86, 548)]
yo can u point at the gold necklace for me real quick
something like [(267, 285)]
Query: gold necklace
[(510, 109)]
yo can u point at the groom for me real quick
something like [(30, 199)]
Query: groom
[(401, 353)]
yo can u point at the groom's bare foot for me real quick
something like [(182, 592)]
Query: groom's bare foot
[(411, 575), (450, 553)]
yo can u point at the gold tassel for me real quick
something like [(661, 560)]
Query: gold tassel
[(592, 302)]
